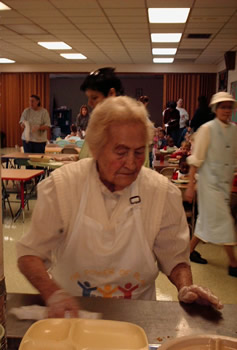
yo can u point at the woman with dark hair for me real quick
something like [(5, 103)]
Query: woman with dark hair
[(98, 85), (171, 119), (35, 122), (82, 120), (202, 115)]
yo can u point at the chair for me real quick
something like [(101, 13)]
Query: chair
[(168, 172), (69, 150)]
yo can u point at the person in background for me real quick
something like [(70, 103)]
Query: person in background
[(171, 120), (184, 117), (149, 150), (35, 122), (185, 134), (214, 158), (162, 142), (185, 150), (202, 115), (183, 172), (74, 134), (82, 120), (110, 215), (97, 86), (144, 100)]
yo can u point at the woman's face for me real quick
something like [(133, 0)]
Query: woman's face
[(121, 159), (34, 103), (224, 111), (94, 97), (84, 111)]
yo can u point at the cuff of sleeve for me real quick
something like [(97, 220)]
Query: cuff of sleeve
[(169, 267), (192, 160), (22, 250)]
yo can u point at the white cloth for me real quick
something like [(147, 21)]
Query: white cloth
[(183, 116), (59, 209), (35, 118)]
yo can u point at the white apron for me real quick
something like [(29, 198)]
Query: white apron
[(113, 261)]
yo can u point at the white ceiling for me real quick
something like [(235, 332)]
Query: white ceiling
[(114, 31)]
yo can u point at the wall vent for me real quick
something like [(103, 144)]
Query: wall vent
[(198, 36)]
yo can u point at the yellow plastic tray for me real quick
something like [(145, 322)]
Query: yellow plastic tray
[(81, 334), (201, 342)]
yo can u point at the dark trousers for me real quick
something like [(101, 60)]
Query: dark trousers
[(34, 147)]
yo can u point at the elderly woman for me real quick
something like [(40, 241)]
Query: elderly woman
[(112, 224), (214, 158)]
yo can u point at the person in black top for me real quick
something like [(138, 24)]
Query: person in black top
[(82, 120), (171, 119), (202, 115)]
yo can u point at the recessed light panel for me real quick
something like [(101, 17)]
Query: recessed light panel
[(162, 51), (4, 7), (73, 56), (163, 60), (54, 45), (6, 60), (166, 37), (168, 15)]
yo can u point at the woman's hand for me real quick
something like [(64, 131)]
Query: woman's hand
[(35, 128), (60, 305), (200, 295)]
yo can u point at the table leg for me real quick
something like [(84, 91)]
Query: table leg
[(22, 200)]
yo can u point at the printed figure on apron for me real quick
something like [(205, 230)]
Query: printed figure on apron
[(112, 223), (86, 288)]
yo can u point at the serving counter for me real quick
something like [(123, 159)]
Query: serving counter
[(161, 320)]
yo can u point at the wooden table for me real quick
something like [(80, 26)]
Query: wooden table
[(161, 320), (21, 175), (21, 155)]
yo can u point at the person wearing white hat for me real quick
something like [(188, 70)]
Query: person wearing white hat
[(214, 158)]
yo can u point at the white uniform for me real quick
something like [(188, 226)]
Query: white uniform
[(108, 244)]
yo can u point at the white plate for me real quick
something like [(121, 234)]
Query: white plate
[(81, 334), (201, 342)]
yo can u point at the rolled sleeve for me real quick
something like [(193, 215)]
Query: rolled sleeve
[(46, 231), (200, 147), (171, 246)]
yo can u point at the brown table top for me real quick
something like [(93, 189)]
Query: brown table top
[(161, 320), (19, 174), (21, 155), (159, 165)]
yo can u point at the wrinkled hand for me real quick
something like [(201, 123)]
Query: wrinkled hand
[(35, 128), (189, 194), (200, 295), (60, 305)]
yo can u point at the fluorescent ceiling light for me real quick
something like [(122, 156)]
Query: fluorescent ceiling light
[(168, 15), (73, 56), (6, 60), (166, 37), (54, 45), (163, 60), (162, 51), (4, 7)]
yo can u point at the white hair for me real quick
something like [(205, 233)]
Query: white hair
[(119, 110)]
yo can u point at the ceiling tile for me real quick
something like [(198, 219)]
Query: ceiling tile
[(82, 12), (125, 12), (118, 4)]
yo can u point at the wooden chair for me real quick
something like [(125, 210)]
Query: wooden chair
[(168, 172)]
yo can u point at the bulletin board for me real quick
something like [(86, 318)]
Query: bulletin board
[(233, 91)]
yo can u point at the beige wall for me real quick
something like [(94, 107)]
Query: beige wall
[(123, 68)]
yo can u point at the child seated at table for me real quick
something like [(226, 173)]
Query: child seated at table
[(162, 142), (185, 150), (74, 134), (182, 173)]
